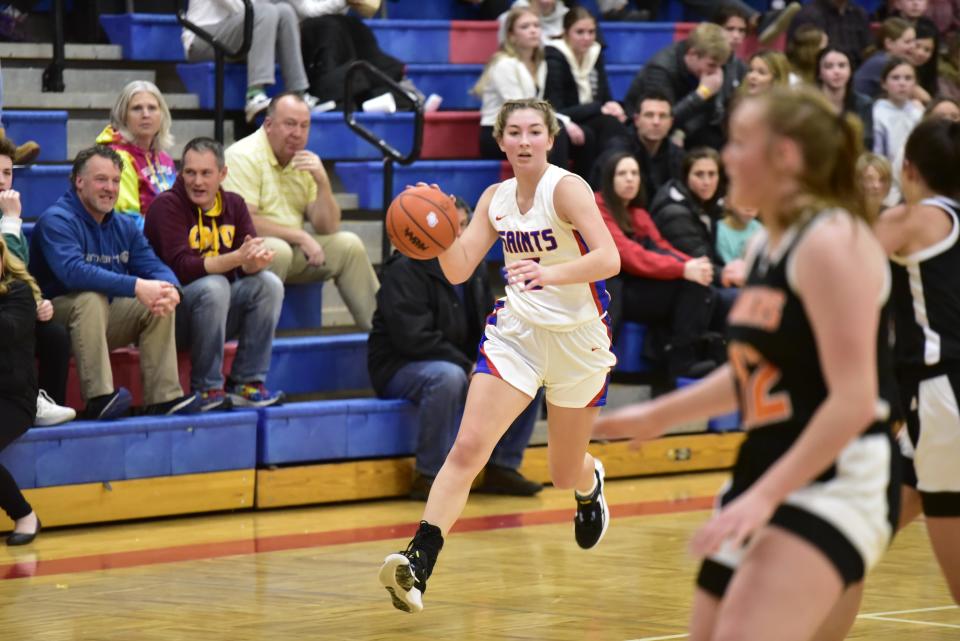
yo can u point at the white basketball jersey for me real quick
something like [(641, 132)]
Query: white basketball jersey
[(541, 235)]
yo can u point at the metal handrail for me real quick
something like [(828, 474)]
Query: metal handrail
[(52, 79), (220, 51), (390, 153)]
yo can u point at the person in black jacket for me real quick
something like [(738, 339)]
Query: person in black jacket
[(686, 213), (577, 87), (423, 348), (698, 76), (648, 142), (19, 296)]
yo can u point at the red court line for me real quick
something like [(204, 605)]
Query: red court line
[(196, 552)]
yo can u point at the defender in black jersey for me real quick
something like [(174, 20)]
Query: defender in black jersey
[(813, 495), (922, 238)]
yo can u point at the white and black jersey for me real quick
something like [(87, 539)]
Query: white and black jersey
[(926, 304)]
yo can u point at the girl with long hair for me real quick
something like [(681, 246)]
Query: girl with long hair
[(578, 89), (19, 297), (518, 70), (550, 330), (658, 284), (812, 493)]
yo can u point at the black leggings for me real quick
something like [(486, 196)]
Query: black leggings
[(14, 421), (53, 357)]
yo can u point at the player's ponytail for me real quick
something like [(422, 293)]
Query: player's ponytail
[(830, 143)]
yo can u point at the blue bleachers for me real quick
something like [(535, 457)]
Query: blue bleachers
[(634, 43), (47, 128), (40, 186), (90, 452), (302, 306), (628, 348), (145, 36), (414, 41), (453, 82), (620, 77), (198, 78), (333, 430), (310, 364), (332, 139), (465, 178)]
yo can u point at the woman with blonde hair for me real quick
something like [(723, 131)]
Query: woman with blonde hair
[(766, 69), (518, 70), (19, 296), (813, 492), (875, 174), (139, 131)]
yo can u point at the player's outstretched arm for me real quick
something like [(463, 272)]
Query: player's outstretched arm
[(462, 257), (712, 396)]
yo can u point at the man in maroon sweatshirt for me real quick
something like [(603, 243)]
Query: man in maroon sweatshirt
[(206, 236)]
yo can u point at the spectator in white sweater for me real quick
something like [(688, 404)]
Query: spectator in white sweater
[(894, 117), (518, 70)]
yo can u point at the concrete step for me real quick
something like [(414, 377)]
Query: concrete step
[(82, 132), (34, 51), (29, 79), (71, 99)]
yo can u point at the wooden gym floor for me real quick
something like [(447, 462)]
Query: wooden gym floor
[(510, 571)]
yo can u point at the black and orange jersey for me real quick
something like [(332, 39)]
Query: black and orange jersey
[(774, 355)]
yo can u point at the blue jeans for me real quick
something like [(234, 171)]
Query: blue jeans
[(439, 390), (214, 310)]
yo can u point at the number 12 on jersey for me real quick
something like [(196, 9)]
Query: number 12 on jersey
[(756, 379)]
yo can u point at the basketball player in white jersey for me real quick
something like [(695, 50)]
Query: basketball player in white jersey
[(813, 502), (922, 238), (550, 330)]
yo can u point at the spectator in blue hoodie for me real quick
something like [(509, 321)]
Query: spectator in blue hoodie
[(109, 289)]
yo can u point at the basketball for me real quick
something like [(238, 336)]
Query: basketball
[(422, 222)]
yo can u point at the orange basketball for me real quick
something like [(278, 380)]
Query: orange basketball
[(422, 222)]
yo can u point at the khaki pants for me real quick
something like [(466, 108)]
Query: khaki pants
[(96, 326), (346, 262)]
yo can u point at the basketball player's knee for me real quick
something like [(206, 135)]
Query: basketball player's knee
[(470, 452)]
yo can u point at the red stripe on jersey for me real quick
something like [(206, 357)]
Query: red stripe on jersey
[(584, 250)]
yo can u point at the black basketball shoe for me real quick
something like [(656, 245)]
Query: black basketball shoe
[(404, 574), (592, 517)]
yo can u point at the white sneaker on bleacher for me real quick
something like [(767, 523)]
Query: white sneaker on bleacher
[(49, 413), (255, 104)]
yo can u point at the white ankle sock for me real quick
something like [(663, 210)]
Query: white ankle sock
[(593, 489)]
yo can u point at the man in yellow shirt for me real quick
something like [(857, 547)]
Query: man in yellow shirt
[(285, 184)]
